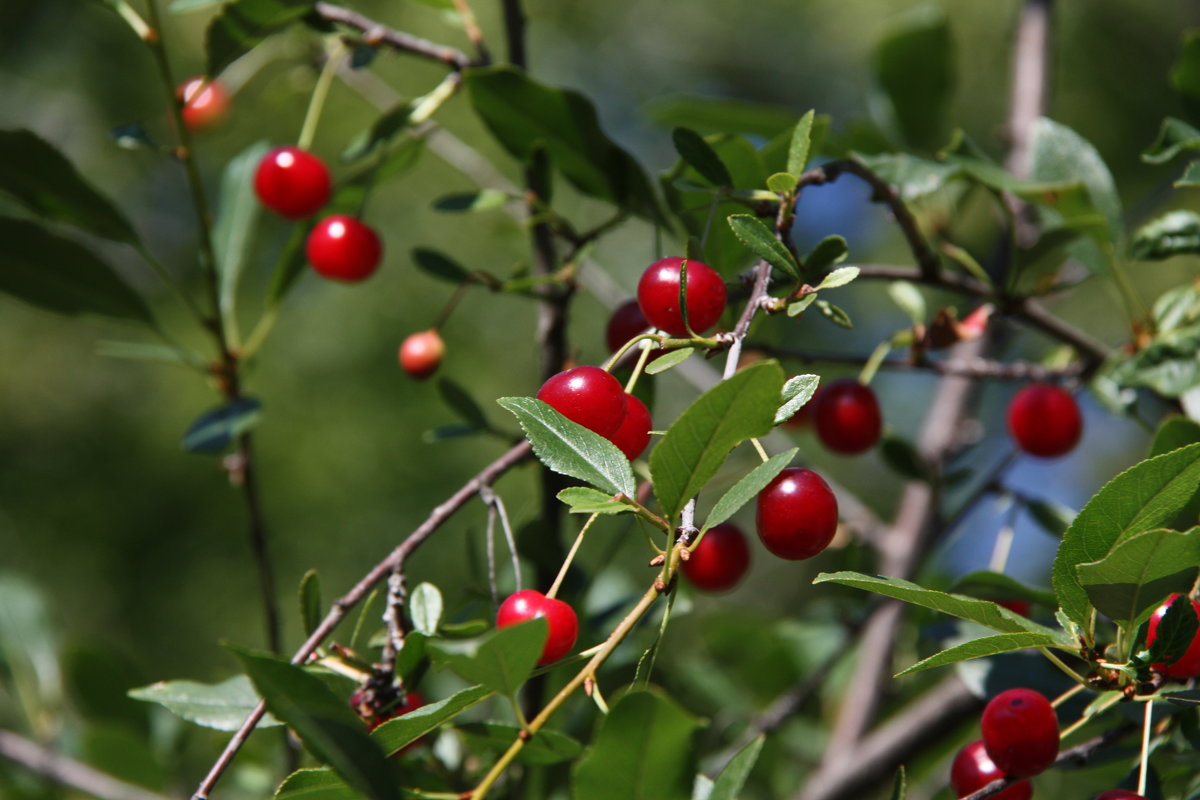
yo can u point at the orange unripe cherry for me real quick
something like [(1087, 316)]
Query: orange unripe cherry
[(421, 354)]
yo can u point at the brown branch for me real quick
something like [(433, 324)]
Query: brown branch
[(67, 771), (395, 560), (377, 33), (967, 368)]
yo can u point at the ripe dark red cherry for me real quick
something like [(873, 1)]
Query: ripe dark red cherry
[(205, 103), (421, 353), (847, 417), (972, 770), (1044, 420), (1120, 794), (658, 296), (412, 701), (1020, 732), (720, 560), (587, 395), (634, 434), (626, 322), (561, 623), (343, 249), (797, 514), (292, 182), (1187, 665)]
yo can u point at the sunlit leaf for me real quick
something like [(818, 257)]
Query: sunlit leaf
[(223, 706)]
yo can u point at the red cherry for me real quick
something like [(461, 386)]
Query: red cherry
[(719, 560), (421, 353), (658, 296), (972, 770), (634, 434), (1045, 420), (205, 103), (292, 182), (561, 623), (1021, 607), (343, 249), (626, 322), (587, 395), (1020, 732), (847, 418), (1187, 665), (797, 514), (1120, 794)]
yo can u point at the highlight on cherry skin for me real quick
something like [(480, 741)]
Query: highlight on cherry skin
[(1020, 732), (342, 248), (205, 103), (587, 395), (1044, 420), (720, 560), (561, 623), (797, 514), (847, 417), (972, 769), (1188, 664), (421, 354), (293, 183), (658, 296)]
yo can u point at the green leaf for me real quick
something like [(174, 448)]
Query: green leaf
[(29, 648), (644, 751), (582, 500), (1061, 154), (501, 660), (797, 391), (222, 706), (902, 456), (731, 780), (982, 612), (839, 277), (1189, 697), (1170, 365), (242, 25), (719, 115), (1140, 571), (60, 275), (1190, 176), (669, 359), (1174, 136), (439, 265), (1175, 632), (999, 587), (911, 175), (462, 403), (34, 173), (900, 784), (425, 608), (984, 647), (546, 747), (1174, 233), (217, 428), (1177, 309), (914, 64), (483, 200), (800, 306), (351, 195), (571, 449), (910, 300), (181, 6), (323, 721), (315, 784), (1139, 499), (695, 151), (781, 182), (526, 116), (146, 351), (1053, 517), (759, 239), (1174, 433), (698, 442), (399, 732), (1185, 75), (236, 222), (748, 488), (386, 127), (411, 653), (311, 609), (801, 142), (829, 251), (833, 313)]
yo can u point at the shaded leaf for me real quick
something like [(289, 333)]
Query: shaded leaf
[(1174, 233), (914, 63), (1174, 633), (1054, 518), (483, 200), (1170, 365), (236, 221), (718, 115), (425, 608), (582, 500), (439, 265), (311, 610), (829, 251), (1061, 154), (834, 313), (1140, 571), (1174, 433), (902, 456), (222, 706), (984, 647), (1190, 176), (29, 647), (748, 488), (146, 351), (571, 449), (695, 151), (315, 784), (800, 145), (501, 660), (1185, 75), (797, 391), (999, 587), (669, 359), (546, 747), (216, 428), (462, 403), (399, 732), (241, 25), (900, 784), (731, 780), (761, 241), (385, 128), (911, 175)]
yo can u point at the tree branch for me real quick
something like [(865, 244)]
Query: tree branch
[(67, 771), (377, 33), (967, 368)]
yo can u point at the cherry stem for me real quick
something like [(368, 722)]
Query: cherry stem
[(1087, 717), (452, 303), (1147, 720), (316, 103), (874, 361), (562, 571), (762, 453), (1056, 661), (1067, 695)]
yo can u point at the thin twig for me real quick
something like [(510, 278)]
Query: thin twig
[(376, 33), (67, 771), (968, 368)]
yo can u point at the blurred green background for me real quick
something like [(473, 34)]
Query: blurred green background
[(141, 546)]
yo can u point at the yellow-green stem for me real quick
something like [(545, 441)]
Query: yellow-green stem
[(1086, 718), (316, 103), (562, 571), (1147, 724), (1056, 661)]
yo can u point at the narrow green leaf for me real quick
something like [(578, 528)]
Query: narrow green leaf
[(315, 784), (902, 456), (999, 587), (501, 660), (839, 277), (719, 115), (323, 721), (759, 239), (801, 142), (1175, 632), (800, 306), (439, 265), (311, 609), (644, 751), (1140, 571), (236, 222), (1189, 697), (731, 780), (748, 488), (462, 403), (900, 784), (781, 182), (829, 251), (983, 612), (797, 391), (34, 173), (146, 351), (698, 442), (984, 647), (834, 313), (425, 608), (399, 732), (351, 195), (546, 747), (60, 275), (217, 428), (914, 64), (289, 265), (1139, 499), (582, 500), (1185, 75), (29, 647), (1174, 433), (483, 200), (383, 130), (1174, 233), (1190, 176), (181, 6), (222, 706), (695, 151), (571, 449), (411, 653), (669, 359), (910, 300), (242, 25), (1054, 518)]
